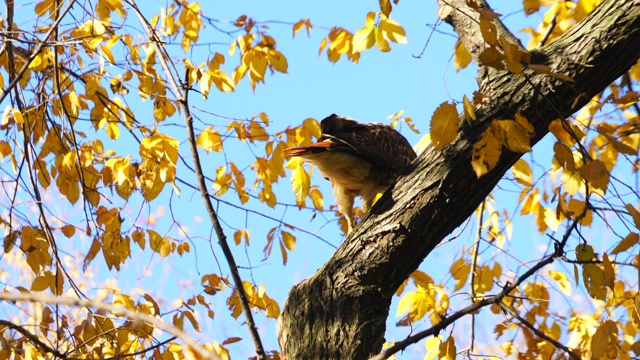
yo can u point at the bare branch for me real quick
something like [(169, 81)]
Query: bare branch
[(555, 343), (183, 100), (35, 52), (115, 310)]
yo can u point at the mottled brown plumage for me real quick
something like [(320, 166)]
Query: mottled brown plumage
[(360, 159)]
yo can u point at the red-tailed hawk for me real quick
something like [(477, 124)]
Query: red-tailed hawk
[(360, 159)]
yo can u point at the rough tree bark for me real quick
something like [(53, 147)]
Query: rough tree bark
[(340, 312)]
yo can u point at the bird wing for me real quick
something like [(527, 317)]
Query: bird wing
[(379, 144)]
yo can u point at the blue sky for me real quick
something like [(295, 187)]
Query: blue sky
[(381, 84)]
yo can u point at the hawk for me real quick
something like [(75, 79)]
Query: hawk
[(360, 159)]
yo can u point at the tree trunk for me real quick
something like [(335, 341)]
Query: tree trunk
[(340, 312)]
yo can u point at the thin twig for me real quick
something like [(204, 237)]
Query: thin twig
[(222, 238), (35, 52), (34, 339), (113, 309), (539, 333), (547, 33), (472, 280)]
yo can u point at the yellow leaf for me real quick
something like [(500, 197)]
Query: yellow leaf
[(605, 336), (620, 146), (183, 248), (512, 135), (421, 279), (300, 183), (634, 213), (531, 6), (635, 315), (634, 72), (406, 303), (484, 281), (44, 6), (312, 126), (209, 139), (626, 243), (297, 26), (562, 280), (575, 208), (551, 219), (9, 241), (461, 56), (112, 130), (563, 156), (444, 125), (460, 270), (381, 42), (385, 7), (289, 240), (278, 61), (192, 320), (124, 301), (237, 235), (222, 80), (468, 108), (531, 203), (447, 349), (432, 346), (565, 132), (17, 116), (513, 56), (231, 340), (392, 31), (221, 352), (107, 53), (596, 174), (257, 132), (485, 153), (592, 275), (323, 44), (317, 199), (68, 230), (43, 282), (522, 173), (364, 38), (159, 244), (491, 57), (151, 185), (489, 31)]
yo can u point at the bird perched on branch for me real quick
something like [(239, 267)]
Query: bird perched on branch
[(360, 159)]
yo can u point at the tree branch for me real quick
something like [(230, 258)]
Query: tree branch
[(35, 52), (34, 339), (183, 100), (115, 310), (540, 334)]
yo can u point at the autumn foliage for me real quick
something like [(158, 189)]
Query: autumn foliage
[(97, 146)]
